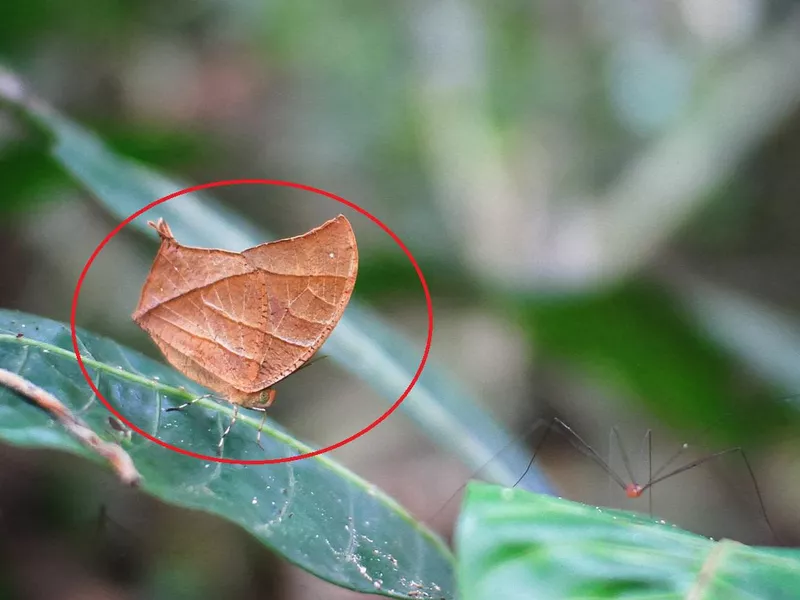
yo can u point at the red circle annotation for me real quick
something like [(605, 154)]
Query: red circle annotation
[(215, 184)]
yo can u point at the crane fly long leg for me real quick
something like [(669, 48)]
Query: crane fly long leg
[(649, 436), (516, 440), (681, 449), (700, 461), (587, 450), (582, 446), (626, 461), (533, 456)]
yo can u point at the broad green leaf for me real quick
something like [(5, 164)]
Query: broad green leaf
[(361, 342), (313, 512), (515, 545)]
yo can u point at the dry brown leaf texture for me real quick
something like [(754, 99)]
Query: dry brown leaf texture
[(238, 322)]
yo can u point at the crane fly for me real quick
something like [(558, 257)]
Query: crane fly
[(632, 488)]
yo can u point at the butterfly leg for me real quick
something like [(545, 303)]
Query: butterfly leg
[(227, 431), (262, 406), (185, 404), (263, 412)]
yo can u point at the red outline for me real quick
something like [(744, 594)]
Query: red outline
[(299, 186)]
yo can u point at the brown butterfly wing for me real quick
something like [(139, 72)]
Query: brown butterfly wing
[(310, 279), (237, 323)]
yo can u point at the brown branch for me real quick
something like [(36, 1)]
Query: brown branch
[(116, 456)]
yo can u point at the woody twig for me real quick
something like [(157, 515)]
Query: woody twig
[(116, 456)]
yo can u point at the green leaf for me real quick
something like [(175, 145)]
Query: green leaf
[(361, 342), (313, 512), (515, 545)]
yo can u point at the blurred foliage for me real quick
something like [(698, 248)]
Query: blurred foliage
[(631, 155), (29, 176), (387, 278), (636, 339)]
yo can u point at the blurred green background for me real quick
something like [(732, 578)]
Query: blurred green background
[(603, 198)]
